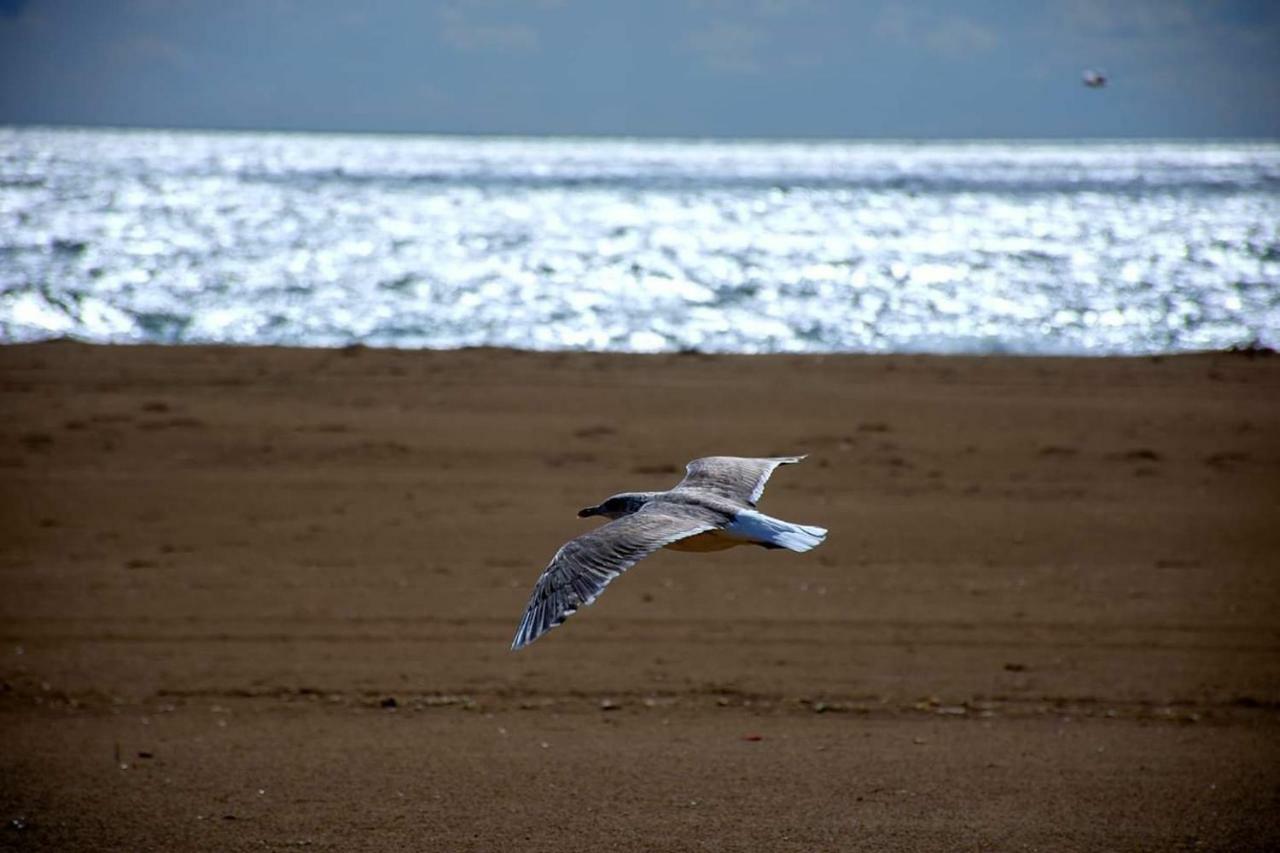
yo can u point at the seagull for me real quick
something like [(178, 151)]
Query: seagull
[(711, 509), (1094, 79)]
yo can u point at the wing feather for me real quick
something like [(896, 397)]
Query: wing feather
[(584, 566), (739, 478)]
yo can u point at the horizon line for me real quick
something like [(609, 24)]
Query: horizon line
[(654, 137)]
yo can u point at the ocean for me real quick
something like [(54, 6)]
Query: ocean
[(633, 245)]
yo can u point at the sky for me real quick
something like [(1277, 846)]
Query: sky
[(686, 68)]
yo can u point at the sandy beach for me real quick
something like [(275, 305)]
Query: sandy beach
[(261, 598)]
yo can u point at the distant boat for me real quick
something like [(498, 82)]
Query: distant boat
[(1094, 79)]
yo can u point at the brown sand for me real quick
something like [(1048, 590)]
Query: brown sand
[(1045, 619)]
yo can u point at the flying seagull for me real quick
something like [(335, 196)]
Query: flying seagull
[(711, 509), (1094, 79)]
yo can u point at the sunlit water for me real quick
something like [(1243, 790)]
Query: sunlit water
[(638, 245)]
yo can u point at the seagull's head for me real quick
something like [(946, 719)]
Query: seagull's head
[(618, 505)]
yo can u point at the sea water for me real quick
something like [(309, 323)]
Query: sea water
[(638, 245)]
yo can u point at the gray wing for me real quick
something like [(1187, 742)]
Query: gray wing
[(582, 567), (739, 478)]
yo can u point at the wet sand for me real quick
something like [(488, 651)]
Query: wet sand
[(262, 599)]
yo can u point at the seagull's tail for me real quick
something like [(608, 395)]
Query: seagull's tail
[(801, 537), (775, 533)]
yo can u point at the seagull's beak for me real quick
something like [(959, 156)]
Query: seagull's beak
[(588, 512)]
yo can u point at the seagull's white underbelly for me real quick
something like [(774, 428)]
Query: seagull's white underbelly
[(754, 528)]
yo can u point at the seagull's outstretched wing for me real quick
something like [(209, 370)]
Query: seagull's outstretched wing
[(739, 478), (585, 565)]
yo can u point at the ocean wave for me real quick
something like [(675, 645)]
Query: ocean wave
[(638, 245)]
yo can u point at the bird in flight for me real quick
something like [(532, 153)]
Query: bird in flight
[(712, 508), (1094, 79)]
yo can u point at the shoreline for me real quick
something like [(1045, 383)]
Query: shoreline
[(1250, 349)]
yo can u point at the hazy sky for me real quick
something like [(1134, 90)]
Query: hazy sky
[(773, 68)]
